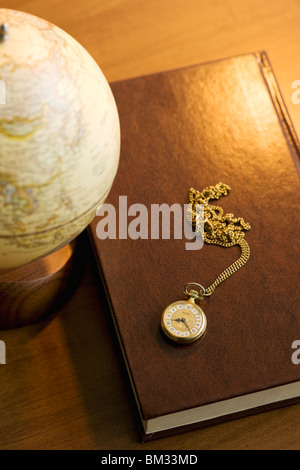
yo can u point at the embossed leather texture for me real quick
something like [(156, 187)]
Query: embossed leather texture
[(221, 121)]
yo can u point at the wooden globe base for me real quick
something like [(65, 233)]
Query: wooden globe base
[(29, 293)]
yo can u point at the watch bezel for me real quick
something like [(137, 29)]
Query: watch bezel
[(184, 339)]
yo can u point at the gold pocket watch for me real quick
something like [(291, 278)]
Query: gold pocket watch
[(184, 321)]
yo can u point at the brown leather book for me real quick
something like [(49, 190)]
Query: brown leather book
[(223, 121)]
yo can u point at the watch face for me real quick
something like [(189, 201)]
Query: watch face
[(183, 321)]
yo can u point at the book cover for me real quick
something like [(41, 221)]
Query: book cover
[(223, 121)]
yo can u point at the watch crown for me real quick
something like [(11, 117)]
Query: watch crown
[(193, 295)]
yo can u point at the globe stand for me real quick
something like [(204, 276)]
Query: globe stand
[(34, 291)]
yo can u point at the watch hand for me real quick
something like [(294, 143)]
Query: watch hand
[(185, 323)]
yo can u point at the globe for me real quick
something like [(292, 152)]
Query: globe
[(59, 138)]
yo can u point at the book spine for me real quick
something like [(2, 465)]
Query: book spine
[(283, 114)]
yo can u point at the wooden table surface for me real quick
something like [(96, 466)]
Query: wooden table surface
[(62, 386)]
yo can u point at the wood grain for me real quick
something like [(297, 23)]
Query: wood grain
[(29, 293), (62, 386)]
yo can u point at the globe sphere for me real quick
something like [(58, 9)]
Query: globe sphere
[(59, 138)]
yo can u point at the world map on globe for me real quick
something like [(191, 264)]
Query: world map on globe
[(59, 139)]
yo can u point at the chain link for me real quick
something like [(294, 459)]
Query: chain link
[(218, 229)]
